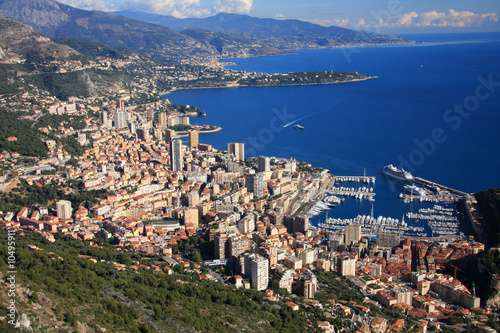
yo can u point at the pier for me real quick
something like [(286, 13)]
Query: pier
[(430, 184), (355, 179)]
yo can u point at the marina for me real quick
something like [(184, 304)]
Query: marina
[(436, 213)]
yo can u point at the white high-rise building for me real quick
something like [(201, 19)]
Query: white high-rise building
[(255, 184), (120, 119), (263, 164), (346, 265), (259, 267), (64, 210)]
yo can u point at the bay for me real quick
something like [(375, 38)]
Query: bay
[(395, 118)]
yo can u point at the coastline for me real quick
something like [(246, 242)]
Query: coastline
[(216, 129), (293, 51), (269, 85)]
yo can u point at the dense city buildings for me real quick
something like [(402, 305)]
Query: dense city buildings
[(254, 212)]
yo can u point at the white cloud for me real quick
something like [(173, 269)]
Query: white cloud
[(233, 6), (335, 22), (103, 5), (453, 19), (177, 8)]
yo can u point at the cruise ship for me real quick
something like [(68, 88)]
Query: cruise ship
[(298, 126), (391, 171)]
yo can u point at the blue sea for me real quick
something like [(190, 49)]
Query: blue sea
[(433, 109)]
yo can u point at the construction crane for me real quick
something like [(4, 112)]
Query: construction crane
[(455, 275)]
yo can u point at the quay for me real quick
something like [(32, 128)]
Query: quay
[(356, 179), (430, 184), (467, 201)]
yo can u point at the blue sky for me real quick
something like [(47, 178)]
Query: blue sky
[(374, 15)]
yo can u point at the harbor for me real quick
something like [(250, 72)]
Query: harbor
[(428, 209)]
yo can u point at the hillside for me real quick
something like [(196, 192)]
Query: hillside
[(18, 41), (66, 286), (488, 205)]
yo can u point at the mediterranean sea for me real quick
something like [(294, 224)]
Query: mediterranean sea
[(434, 110)]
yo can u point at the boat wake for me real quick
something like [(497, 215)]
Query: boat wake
[(310, 115)]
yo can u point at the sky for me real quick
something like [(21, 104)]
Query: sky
[(369, 15)]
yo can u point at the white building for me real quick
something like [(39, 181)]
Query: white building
[(259, 273), (64, 210)]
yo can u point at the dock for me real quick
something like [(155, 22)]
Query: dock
[(355, 179), (430, 184)]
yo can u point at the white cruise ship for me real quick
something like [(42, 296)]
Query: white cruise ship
[(399, 174)]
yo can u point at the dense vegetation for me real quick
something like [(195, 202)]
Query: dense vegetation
[(185, 108), (65, 85), (8, 85), (301, 78), (55, 121), (488, 204), (180, 127), (336, 288), (124, 301), (28, 141), (24, 196), (93, 50)]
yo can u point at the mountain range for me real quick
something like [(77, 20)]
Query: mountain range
[(183, 40), (248, 26)]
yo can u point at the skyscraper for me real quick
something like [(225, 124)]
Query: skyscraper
[(176, 154), (346, 265), (237, 149), (259, 267), (169, 135), (255, 184), (120, 119), (143, 134), (193, 139), (263, 164), (162, 119), (120, 104), (103, 118), (352, 233), (64, 210), (220, 240)]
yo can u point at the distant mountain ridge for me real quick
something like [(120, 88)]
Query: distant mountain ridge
[(237, 23), (54, 19), (290, 30), (197, 41)]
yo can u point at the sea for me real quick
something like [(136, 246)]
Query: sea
[(433, 109)]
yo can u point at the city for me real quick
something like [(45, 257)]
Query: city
[(130, 200), (158, 191)]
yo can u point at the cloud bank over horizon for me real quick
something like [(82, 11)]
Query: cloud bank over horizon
[(431, 19), (177, 8)]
